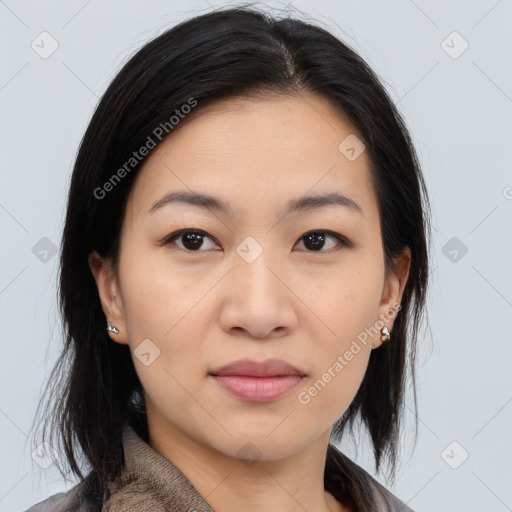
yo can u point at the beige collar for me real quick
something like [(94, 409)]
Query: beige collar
[(151, 483)]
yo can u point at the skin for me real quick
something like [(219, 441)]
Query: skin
[(209, 307)]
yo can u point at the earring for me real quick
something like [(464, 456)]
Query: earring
[(111, 328), (384, 334)]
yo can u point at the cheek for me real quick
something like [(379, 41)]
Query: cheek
[(328, 393), (162, 306), (347, 309), (156, 297), (340, 359), (345, 300)]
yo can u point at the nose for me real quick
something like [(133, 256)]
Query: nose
[(258, 303)]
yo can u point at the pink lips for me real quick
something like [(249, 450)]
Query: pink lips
[(258, 382)]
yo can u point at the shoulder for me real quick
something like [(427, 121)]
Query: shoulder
[(385, 500), (55, 503), (352, 484), (80, 498)]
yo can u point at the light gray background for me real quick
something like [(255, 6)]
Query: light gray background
[(458, 110)]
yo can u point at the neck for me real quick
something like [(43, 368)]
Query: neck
[(291, 483)]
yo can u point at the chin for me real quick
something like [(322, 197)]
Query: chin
[(252, 445)]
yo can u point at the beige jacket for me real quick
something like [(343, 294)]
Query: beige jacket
[(150, 483)]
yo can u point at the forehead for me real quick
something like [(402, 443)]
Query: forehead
[(259, 152)]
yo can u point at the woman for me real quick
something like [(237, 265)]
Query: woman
[(243, 273)]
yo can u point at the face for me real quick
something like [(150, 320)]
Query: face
[(199, 286)]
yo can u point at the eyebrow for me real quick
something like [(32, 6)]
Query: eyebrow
[(215, 205)]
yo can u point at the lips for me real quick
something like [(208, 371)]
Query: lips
[(258, 382), (250, 368)]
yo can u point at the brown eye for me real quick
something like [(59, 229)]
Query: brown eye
[(315, 241), (191, 240), (196, 240)]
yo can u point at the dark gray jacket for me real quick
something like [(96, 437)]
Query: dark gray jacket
[(150, 483)]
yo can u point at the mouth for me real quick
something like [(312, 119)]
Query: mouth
[(258, 381), (251, 368)]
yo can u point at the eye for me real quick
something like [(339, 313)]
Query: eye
[(315, 240), (191, 240)]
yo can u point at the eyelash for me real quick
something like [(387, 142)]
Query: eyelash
[(343, 242)]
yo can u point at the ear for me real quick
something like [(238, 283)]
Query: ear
[(392, 292), (108, 289)]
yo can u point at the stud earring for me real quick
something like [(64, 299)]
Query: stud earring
[(384, 334), (111, 328)]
